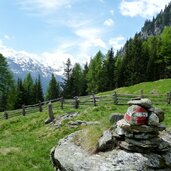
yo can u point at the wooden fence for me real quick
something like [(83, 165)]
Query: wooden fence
[(84, 101)]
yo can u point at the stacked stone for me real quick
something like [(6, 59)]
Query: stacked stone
[(142, 137)]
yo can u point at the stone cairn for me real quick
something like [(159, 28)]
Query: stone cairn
[(138, 130)]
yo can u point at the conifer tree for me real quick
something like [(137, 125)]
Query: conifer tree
[(110, 69), (166, 51), (37, 90), (6, 83), (76, 81), (53, 91), (66, 86), (28, 87), (84, 86), (20, 94), (94, 75)]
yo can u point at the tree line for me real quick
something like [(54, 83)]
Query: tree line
[(138, 61), (14, 94)]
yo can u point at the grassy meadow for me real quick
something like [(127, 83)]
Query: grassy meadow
[(25, 142)]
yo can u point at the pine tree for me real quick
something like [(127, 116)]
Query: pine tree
[(28, 87), (53, 91), (94, 75), (84, 86), (67, 87), (166, 51), (20, 94), (152, 66), (6, 83), (76, 81), (37, 91), (110, 68)]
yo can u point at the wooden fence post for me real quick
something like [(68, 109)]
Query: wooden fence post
[(50, 113), (5, 115), (142, 94), (77, 101), (62, 102), (23, 110), (94, 100), (40, 106), (115, 98), (168, 97)]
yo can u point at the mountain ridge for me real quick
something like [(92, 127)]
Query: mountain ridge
[(157, 24), (22, 64)]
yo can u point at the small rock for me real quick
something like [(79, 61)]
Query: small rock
[(146, 103), (120, 131), (139, 128), (151, 143), (130, 147), (163, 146), (115, 117), (159, 112), (141, 135), (106, 142), (153, 119), (136, 115), (79, 123)]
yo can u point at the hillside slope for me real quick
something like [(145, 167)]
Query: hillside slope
[(26, 141), (157, 87)]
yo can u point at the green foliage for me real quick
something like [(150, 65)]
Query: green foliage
[(166, 50), (53, 91), (108, 70), (157, 24), (20, 94), (6, 84), (84, 81), (38, 92), (66, 86), (76, 81), (28, 88), (94, 75)]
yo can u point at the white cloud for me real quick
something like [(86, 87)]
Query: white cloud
[(117, 42), (90, 38), (88, 33), (8, 37), (143, 8), (44, 6), (56, 59), (76, 22), (109, 22)]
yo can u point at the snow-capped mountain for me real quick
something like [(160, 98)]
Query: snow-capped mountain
[(22, 65)]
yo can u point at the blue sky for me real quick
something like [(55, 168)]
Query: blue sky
[(53, 30)]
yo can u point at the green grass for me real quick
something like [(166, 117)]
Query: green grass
[(25, 142), (158, 87)]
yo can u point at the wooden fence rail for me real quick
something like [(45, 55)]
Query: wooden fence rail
[(84, 101)]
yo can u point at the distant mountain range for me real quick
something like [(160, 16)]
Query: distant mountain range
[(21, 65)]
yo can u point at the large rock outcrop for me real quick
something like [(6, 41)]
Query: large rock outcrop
[(67, 156)]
